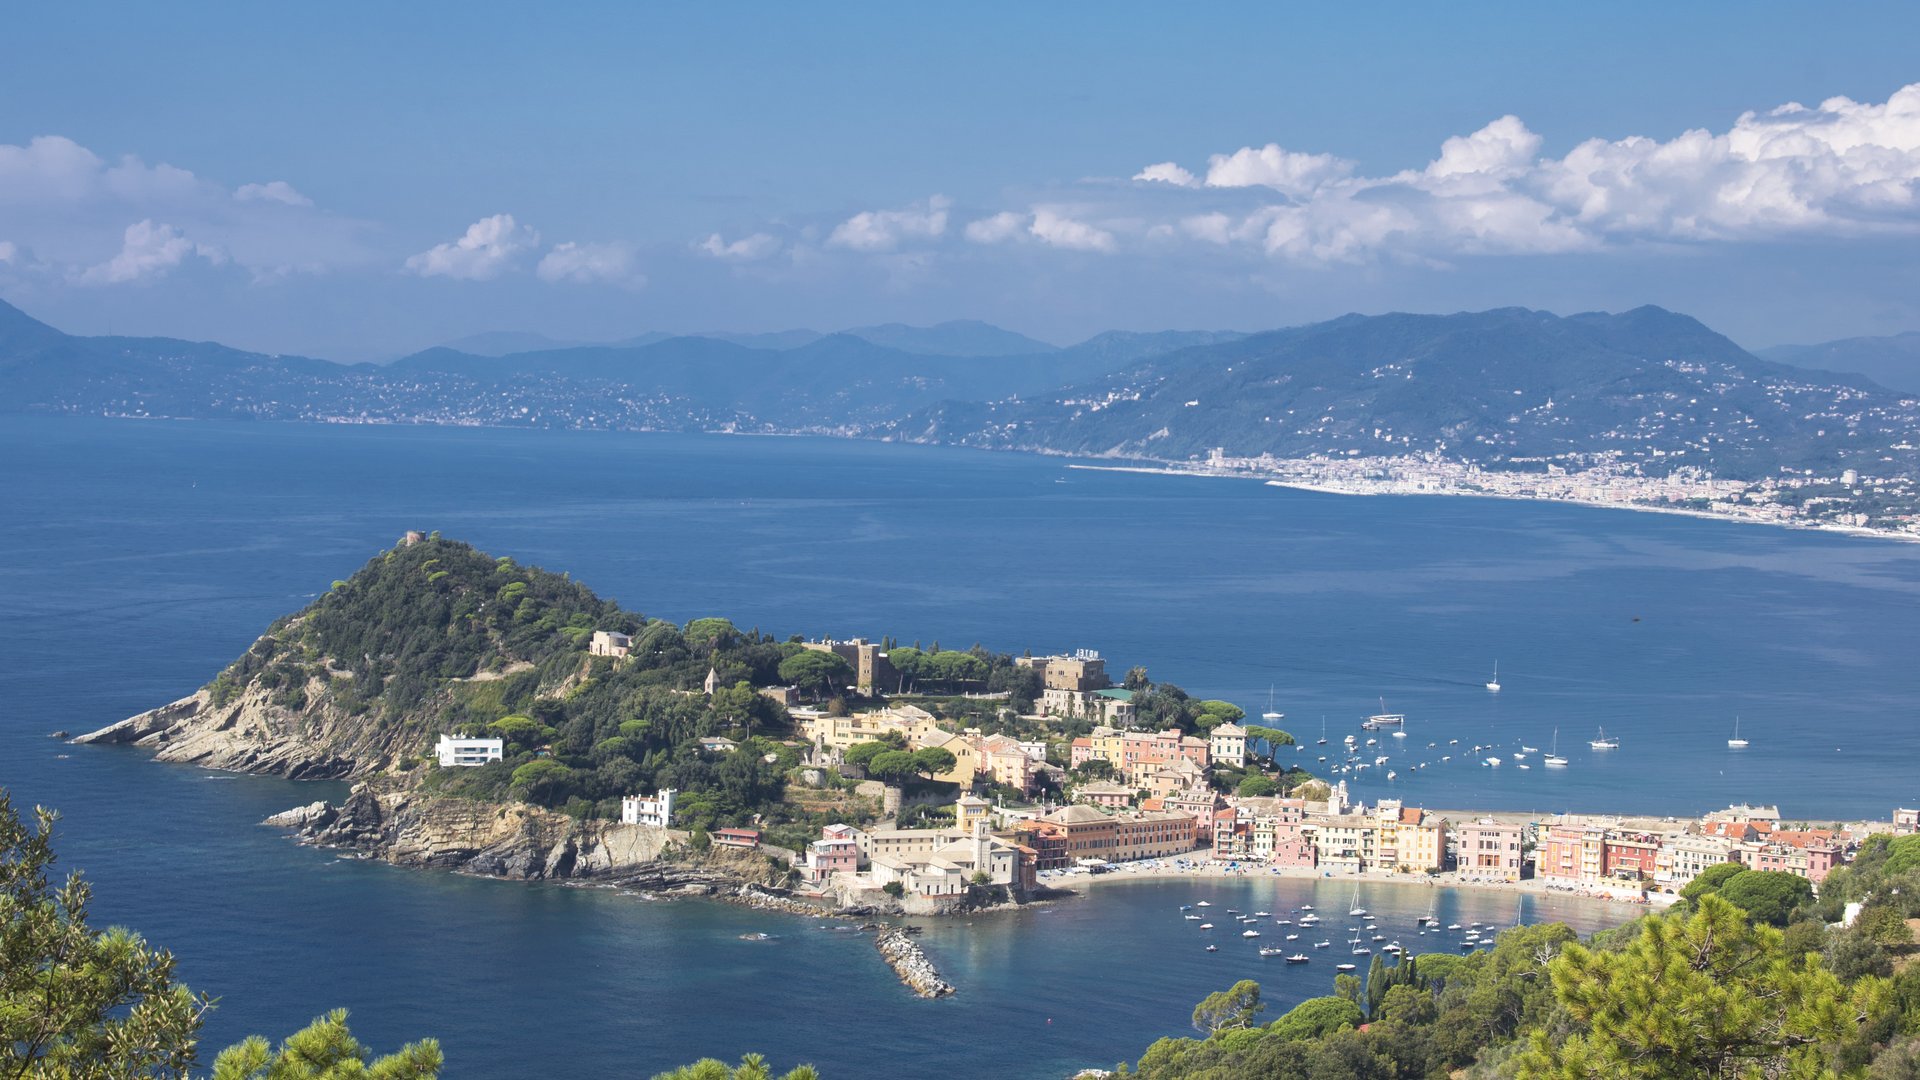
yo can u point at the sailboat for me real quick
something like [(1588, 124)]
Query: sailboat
[(1736, 743), (1604, 743), (1553, 760), (1384, 719), (1493, 684), (1355, 908), (1270, 716), (1323, 732)]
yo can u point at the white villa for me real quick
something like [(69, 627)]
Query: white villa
[(460, 750), (640, 810)]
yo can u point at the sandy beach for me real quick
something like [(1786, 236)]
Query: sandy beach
[(1201, 869)]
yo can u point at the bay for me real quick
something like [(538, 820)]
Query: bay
[(136, 558)]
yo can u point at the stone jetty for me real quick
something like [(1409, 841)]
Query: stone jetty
[(903, 955)]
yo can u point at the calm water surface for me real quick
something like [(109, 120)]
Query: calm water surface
[(140, 557)]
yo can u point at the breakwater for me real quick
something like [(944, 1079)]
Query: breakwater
[(904, 956)]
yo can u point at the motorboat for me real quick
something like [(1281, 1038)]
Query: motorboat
[(1298, 958), (1249, 933), (1213, 948)]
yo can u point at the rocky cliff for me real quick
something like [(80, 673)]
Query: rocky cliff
[(254, 733), (388, 820)]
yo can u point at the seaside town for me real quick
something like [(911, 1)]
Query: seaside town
[(1122, 800), (1845, 500)]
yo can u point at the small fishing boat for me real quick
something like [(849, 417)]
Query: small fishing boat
[(1604, 743)]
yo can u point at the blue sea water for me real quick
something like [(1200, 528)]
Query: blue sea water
[(136, 558)]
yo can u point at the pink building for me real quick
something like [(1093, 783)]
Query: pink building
[(1490, 849)]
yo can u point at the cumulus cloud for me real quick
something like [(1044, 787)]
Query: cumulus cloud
[(1844, 167), (148, 250), (70, 207), (488, 247), (1168, 173), (885, 230), (278, 191), (750, 248), (1055, 228), (1272, 167), (998, 229), (589, 263)]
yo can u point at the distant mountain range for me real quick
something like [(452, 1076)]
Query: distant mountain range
[(1509, 388), (1502, 387), (963, 337), (1890, 361)]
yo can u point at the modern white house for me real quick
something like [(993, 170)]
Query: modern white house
[(610, 643), (640, 810), (460, 750)]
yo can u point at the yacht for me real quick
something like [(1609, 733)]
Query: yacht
[(1206, 926), (1343, 967), (1736, 743), (1323, 944), (1493, 761), (1297, 958), (1272, 951), (1249, 933), (1383, 719), (1271, 717), (1553, 760), (1604, 743), (1493, 684), (1323, 733), (1293, 937), (1355, 908)]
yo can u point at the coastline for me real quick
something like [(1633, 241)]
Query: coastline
[(1207, 869), (1170, 469)]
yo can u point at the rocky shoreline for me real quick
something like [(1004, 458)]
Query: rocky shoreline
[(904, 956)]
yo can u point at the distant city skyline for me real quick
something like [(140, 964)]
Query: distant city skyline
[(357, 182)]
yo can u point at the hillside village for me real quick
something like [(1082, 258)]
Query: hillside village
[(986, 817)]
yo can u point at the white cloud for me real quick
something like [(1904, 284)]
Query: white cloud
[(750, 248), (148, 250), (588, 263), (278, 191), (885, 230), (999, 228), (1168, 173), (1055, 228), (488, 247), (1844, 168), (1270, 166)]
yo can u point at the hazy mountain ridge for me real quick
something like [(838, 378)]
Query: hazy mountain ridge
[(1506, 388), (1502, 387), (1892, 361)]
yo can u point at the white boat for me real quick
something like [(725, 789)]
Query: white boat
[(1604, 743), (1262, 914), (1355, 908), (1391, 774), (1275, 951), (1524, 766), (1249, 933), (1399, 734), (1206, 926), (1343, 967), (1493, 684), (1293, 937), (1553, 760), (1204, 903), (1297, 958), (1323, 733), (1493, 761), (1323, 944), (1271, 717), (1213, 948), (1383, 719), (1736, 743), (1194, 918)]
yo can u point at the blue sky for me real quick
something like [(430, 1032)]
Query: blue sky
[(359, 180)]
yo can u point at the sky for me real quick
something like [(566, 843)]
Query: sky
[(358, 181)]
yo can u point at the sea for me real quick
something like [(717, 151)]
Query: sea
[(138, 557)]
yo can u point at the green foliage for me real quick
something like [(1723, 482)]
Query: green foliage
[(1255, 786), (894, 889), (1234, 1007), (1273, 735), (325, 1050), (1316, 1017), (893, 767), (751, 1067), (1771, 896), (1706, 995), (816, 672), (933, 760), (863, 753), (1710, 880), (73, 1002), (81, 1005)]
